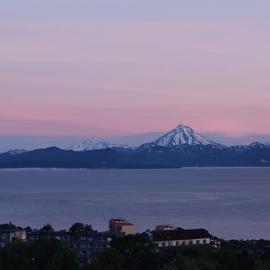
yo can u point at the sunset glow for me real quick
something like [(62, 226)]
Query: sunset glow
[(139, 68)]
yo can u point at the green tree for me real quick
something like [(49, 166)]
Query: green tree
[(108, 260), (39, 255), (169, 266), (80, 227)]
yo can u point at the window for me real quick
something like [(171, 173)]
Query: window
[(197, 242), (204, 241)]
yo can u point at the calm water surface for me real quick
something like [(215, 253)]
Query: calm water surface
[(229, 202)]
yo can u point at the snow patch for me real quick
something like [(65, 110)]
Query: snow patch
[(91, 144), (182, 135)]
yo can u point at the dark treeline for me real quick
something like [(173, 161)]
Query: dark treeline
[(137, 253)]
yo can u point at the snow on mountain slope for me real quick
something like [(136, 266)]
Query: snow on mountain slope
[(16, 151), (258, 145), (182, 135), (91, 144)]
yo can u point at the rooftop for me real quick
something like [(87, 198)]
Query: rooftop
[(180, 234)]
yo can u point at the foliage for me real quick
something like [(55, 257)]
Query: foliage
[(80, 227), (7, 226), (47, 229), (137, 253), (39, 255)]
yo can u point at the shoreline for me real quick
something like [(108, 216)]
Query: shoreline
[(134, 169)]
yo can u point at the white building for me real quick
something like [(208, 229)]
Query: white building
[(181, 237), (10, 233)]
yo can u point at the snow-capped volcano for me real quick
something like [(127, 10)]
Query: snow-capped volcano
[(91, 144), (182, 135)]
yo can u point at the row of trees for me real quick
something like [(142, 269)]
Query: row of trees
[(137, 253), (47, 229), (39, 255)]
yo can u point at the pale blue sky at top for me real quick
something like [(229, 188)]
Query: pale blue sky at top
[(135, 9)]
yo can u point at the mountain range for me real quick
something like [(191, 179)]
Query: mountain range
[(91, 144), (180, 147)]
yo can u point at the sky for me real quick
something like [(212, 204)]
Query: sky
[(112, 68)]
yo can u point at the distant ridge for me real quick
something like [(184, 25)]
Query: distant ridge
[(91, 144), (182, 146)]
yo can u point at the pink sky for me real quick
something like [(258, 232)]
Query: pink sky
[(101, 78)]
